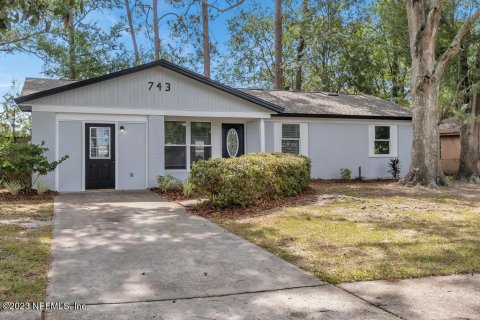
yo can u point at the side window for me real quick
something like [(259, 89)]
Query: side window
[(382, 140), (291, 138)]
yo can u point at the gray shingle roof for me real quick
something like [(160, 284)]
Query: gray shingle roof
[(34, 85), (317, 103), (294, 102)]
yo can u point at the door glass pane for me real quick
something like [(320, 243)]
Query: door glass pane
[(200, 153), (291, 146), (175, 157), (290, 131), (232, 142), (175, 132), (99, 142), (201, 133)]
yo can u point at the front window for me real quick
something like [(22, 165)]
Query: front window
[(291, 138), (175, 145), (200, 141), (382, 140), (183, 136)]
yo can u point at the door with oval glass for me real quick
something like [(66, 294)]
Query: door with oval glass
[(233, 143)]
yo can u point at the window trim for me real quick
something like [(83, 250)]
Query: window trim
[(299, 139), (393, 141), (188, 143)]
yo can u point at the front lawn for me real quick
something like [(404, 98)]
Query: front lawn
[(367, 231), (25, 237)]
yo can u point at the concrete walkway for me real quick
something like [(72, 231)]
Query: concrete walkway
[(132, 255)]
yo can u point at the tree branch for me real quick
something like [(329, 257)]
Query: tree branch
[(455, 45)]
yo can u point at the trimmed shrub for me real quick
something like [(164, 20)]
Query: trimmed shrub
[(244, 180)]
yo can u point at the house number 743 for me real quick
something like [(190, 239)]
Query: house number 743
[(159, 86)]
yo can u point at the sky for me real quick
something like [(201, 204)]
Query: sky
[(17, 66)]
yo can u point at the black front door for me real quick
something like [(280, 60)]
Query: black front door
[(99, 156), (233, 143)]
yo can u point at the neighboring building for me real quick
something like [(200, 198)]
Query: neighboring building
[(123, 129), (449, 145)]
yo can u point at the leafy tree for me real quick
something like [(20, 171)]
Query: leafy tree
[(427, 71), (13, 122)]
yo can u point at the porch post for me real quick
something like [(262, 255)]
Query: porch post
[(262, 135)]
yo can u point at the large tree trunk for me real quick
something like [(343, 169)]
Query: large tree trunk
[(301, 47), (425, 168), (155, 30), (426, 75), (132, 32), (68, 22), (278, 45), (206, 40), (469, 143)]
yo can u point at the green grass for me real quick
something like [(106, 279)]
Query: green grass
[(373, 231), (24, 253)]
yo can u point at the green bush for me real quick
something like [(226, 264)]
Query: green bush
[(346, 174), (13, 187), (41, 186), (19, 161), (244, 180), (187, 188), (164, 182)]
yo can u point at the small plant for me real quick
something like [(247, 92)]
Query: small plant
[(13, 187), (41, 186), (164, 182), (346, 173), (187, 188), (394, 166)]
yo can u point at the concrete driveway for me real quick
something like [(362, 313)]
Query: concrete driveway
[(134, 255)]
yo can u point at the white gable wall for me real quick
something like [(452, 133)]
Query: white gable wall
[(130, 93)]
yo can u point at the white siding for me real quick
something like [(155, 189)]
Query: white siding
[(131, 92), (43, 129), (70, 143), (156, 156)]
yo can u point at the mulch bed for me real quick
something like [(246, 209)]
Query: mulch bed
[(5, 196), (173, 195), (306, 197)]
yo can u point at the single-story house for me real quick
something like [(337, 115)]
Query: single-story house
[(123, 129)]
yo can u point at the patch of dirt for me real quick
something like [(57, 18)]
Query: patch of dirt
[(173, 195), (304, 198), (27, 195), (26, 223), (353, 181)]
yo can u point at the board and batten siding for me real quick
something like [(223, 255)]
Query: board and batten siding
[(131, 91)]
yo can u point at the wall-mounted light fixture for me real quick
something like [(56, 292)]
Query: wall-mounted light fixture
[(122, 129)]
